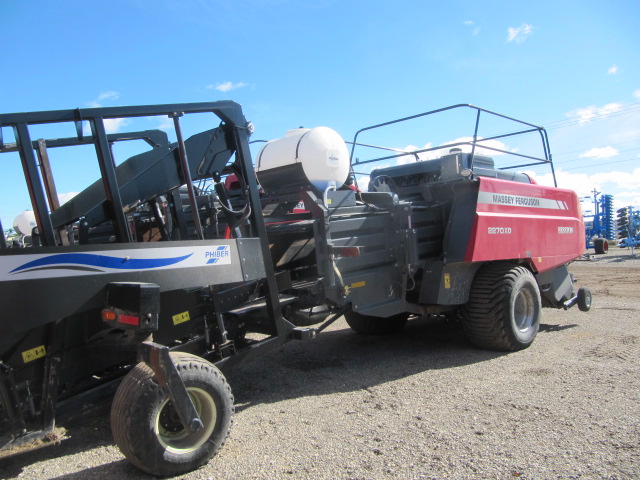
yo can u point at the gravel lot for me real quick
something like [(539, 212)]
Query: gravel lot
[(423, 404)]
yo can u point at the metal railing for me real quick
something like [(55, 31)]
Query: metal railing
[(42, 188), (475, 143)]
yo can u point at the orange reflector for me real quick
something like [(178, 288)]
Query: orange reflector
[(108, 315), (129, 319), (346, 251)]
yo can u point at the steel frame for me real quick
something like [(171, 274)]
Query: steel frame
[(547, 159), (253, 252)]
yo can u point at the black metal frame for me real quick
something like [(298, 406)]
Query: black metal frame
[(253, 251), (229, 112), (547, 159)]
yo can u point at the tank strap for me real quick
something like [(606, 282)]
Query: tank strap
[(300, 140), (260, 156)]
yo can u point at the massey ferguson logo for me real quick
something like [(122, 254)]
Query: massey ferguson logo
[(563, 230), (516, 200)]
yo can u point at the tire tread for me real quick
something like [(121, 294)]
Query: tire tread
[(140, 383), (488, 305)]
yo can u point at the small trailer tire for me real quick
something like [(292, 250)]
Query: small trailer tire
[(504, 308), (146, 427), (584, 299), (368, 325)]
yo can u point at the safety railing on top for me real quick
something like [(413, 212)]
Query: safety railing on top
[(475, 143)]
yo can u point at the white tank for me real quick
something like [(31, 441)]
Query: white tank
[(25, 222), (318, 157)]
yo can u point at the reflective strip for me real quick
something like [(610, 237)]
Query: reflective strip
[(490, 198), (128, 320)]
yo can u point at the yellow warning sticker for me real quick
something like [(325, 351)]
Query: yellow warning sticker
[(358, 284), (181, 318), (447, 280), (34, 354)]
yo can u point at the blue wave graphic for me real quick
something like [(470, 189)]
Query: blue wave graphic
[(100, 261)]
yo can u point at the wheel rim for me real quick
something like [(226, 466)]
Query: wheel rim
[(524, 312), (172, 434)]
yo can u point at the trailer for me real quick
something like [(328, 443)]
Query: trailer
[(187, 258), (628, 223), (600, 224)]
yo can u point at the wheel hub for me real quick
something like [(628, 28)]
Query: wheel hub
[(524, 310), (170, 431)]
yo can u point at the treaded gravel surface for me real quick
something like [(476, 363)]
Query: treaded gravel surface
[(423, 404)]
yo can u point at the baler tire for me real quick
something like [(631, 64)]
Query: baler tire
[(601, 246), (146, 428), (584, 299), (504, 308), (368, 325)]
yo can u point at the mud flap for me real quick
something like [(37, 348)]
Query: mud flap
[(556, 287)]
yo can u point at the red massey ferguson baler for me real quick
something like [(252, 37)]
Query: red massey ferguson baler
[(453, 235)]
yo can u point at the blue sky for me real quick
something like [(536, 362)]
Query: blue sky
[(571, 66)]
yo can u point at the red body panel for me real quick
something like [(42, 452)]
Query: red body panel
[(518, 220)]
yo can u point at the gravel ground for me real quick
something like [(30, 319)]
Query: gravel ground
[(423, 404)]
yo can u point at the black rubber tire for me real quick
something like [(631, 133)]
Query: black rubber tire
[(145, 426), (504, 308), (584, 299), (304, 317), (367, 325), (601, 246)]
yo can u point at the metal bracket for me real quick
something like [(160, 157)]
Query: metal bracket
[(158, 359), (311, 333), (78, 124), (10, 401)]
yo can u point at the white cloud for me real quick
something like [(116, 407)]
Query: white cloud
[(613, 69), (600, 152), (623, 180), (410, 158), (624, 195), (519, 34), (479, 150), (113, 125), (363, 182), (593, 112), (166, 123), (470, 23), (444, 148), (65, 197), (636, 94), (226, 86), (110, 95), (624, 186)]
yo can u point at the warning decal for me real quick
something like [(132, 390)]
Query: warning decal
[(34, 354)]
